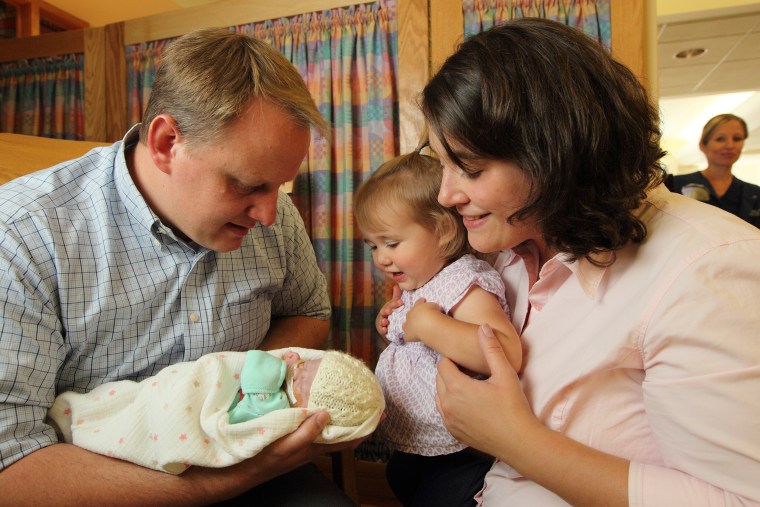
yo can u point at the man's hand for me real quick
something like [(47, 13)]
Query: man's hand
[(298, 448)]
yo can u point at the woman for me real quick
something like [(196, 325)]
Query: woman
[(722, 142), (637, 307)]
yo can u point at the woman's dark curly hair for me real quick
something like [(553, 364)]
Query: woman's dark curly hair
[(578, 123)]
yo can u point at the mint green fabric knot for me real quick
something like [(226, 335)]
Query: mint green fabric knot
[(260, 387)]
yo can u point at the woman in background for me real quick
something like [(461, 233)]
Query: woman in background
[(722, 142)]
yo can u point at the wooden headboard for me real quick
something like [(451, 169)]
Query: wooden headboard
[(20, 154)]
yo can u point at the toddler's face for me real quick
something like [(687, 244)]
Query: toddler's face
[(405, 251)]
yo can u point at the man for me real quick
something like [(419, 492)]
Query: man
[(171, 244)]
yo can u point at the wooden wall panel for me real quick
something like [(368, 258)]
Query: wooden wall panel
[(95, 84), (428, 32), (627, 34), (413, 68), (223, 13), (27, 19), (51, 44), (29, 14), (446, 30), (117, 119), (634, 38)]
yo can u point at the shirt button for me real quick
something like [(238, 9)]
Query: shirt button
[(195, 317)]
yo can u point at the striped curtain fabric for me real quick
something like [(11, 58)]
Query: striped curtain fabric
[(142, 60), (590, 16), (43, 97)]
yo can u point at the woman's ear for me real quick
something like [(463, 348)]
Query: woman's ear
[(163, 137)]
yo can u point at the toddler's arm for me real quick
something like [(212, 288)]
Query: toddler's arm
[(455, 336)]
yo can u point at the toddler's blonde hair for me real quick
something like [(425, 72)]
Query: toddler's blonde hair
[(410, 184)]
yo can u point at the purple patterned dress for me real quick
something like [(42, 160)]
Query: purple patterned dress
[(407, 371)]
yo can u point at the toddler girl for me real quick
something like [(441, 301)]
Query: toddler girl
[(444, 292)]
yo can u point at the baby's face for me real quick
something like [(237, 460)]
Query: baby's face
[(304, 372)]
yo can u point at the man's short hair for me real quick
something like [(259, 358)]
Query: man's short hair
[(207, 77)]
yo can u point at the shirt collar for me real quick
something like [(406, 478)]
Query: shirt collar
[(590, 275), (133, 200)]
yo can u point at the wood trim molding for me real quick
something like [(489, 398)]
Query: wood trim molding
[(117, 116), (223, 13), (29, 13), (413, 69), (43, 46), (446, 30), (95, 84)]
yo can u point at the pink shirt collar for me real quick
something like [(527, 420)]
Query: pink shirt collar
[(589, 275)]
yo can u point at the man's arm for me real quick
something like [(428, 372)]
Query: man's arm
[(306, 332), (63, 474)]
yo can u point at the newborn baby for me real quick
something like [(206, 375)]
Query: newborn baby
[(218, 410)]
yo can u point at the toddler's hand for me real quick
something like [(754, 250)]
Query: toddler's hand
[(381, 321), (417, 318)]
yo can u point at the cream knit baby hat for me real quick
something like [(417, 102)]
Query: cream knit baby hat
[(346, 388)]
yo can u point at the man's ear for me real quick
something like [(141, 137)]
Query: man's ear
[(163, 137)]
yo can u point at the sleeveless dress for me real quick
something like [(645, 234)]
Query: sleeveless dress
[(407, 371)]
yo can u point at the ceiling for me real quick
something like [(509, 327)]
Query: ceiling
[(724, 79)]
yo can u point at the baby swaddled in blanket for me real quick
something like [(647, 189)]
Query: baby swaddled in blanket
[(221, 409)]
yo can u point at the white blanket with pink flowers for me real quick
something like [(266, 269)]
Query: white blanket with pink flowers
[(178, 418)]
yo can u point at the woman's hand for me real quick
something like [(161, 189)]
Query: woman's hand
[(381, 321), (484, 414), (494, 416), (421, 315)]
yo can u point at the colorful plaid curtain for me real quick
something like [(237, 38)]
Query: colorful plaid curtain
[(43, 97), (142, 60), (348, 58), (590, 16)]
